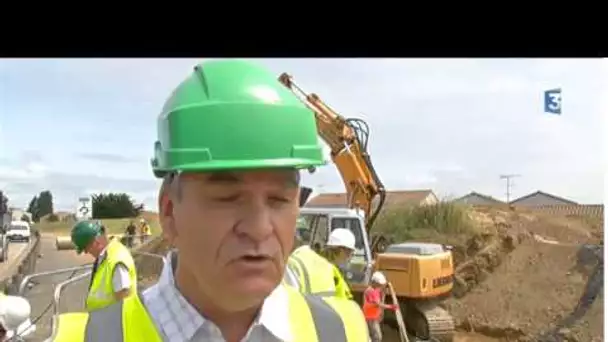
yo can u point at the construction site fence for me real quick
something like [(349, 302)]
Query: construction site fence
[(589, 210), (23, 264), (594, 211)]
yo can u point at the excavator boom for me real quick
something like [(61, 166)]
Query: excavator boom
[(347, 140)]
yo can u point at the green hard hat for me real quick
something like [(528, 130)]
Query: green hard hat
[(234, 114), (83, 233)]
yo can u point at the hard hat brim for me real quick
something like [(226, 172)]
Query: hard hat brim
[(340, 245), (242, 165)]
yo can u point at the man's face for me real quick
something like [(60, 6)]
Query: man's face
[(234, 231), (343, 255), (94, 248)]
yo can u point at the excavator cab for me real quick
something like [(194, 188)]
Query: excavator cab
[(317, 223)]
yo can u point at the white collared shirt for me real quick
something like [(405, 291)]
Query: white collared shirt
[(178, 321)]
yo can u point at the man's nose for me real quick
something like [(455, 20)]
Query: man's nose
[(256, 221)]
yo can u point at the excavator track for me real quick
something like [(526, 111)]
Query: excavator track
[(429, 322)]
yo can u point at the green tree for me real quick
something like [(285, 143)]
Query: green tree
[(4, 212), (32, 208), (25, 218), (3, 203), (45, 203), (115, 205)]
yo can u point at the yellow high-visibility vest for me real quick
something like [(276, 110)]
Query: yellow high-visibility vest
[(316, 275), (312, 319), (101, 292), (342, 288)]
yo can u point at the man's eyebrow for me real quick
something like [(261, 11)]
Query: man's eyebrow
[(291, 179), (223, 177)]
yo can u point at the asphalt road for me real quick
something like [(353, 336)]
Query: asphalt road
[(41, 295), (14, 249)]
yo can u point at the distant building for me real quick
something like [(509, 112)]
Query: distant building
[(539, 199), (17, 214), (475, 198), (405, 197)]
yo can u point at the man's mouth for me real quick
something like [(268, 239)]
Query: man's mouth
[(254, 257)]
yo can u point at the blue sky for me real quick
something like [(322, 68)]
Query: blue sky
[(76, 126)]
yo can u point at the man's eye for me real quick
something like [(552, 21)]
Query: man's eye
[(279, 199), (230, 198)]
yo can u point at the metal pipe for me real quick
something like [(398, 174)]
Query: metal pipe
[(29, 277), (57, 297)]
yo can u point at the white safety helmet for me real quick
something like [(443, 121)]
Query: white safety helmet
[(14, 311), (341, 237), (379, 278)]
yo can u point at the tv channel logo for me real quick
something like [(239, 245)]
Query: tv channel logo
[(553, 101)]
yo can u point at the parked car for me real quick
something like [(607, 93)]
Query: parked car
[(19, 231)]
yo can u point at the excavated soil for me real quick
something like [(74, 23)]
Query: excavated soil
[(513, 287)]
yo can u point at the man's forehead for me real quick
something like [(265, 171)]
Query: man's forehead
[(288, 176)]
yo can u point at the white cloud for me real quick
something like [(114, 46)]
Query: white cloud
[(452, 125)]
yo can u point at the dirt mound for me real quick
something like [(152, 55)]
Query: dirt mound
[(510, 285), (484, 254)]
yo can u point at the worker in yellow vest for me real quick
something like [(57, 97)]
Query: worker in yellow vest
[(114, 276), (320, 274), (231, 144), (339, 250), (144, 231)]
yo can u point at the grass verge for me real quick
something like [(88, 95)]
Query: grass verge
[(113, 226), (444, 222)]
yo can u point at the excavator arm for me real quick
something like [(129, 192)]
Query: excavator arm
[(347, 139)]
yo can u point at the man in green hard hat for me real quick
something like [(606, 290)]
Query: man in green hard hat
[(231, 143), (114, 276)]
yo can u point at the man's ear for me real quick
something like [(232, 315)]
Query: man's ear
[(165, 217)]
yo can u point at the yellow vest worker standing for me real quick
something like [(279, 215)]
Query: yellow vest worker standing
[(319, 275), (338, 250), (231, 143), (114, 276), (144, 231)]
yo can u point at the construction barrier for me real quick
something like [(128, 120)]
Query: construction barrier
[(23, 264)]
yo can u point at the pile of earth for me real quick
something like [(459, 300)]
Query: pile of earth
[(514, 286)]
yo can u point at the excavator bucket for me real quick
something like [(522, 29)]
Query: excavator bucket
[(305, 193)]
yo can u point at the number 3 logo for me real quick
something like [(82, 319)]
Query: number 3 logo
[(555, 101)]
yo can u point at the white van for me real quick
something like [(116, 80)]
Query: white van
[(18, 231)]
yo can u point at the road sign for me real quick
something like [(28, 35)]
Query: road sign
[(84, 209), (553, 101)]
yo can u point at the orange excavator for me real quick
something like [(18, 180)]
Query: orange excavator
[(421, 273)]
